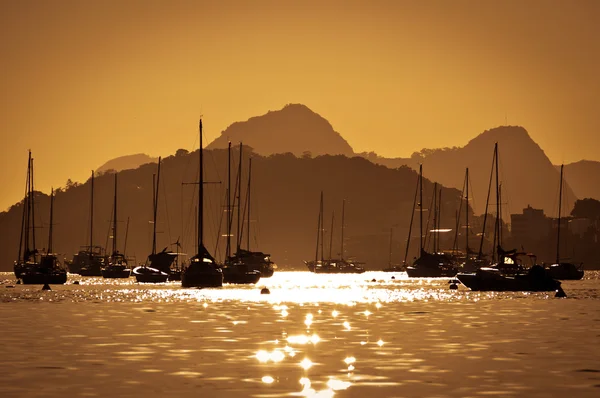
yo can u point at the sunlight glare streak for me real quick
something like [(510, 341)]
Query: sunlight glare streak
[(347, 325), (267, 379), (306, 364), (336, 384)]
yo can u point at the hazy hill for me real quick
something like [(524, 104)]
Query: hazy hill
[(126, 162), (295, 129), (527, 175), (285, 202), (584, 178)]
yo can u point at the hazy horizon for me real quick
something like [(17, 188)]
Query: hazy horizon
[(89, 82)]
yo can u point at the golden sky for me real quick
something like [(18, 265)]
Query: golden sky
[(86, 81)]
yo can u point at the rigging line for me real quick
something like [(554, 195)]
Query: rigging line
[(412, 216), (487, 203), (427, 233), (462, 195)]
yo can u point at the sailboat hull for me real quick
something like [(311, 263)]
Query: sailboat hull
[(116, 272), (491, 280), (565, 271), (149, 275), (201, 279), (58, 277)]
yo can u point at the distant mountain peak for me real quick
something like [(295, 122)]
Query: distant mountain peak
[(295, 128)]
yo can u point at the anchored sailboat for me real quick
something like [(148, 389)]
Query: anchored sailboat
[(563, 270), (237, 268), (202, 271), (117, 266), (90, 259), (429, 265), (49, 270), (332, 265), (27, 257), (507, 274), (158, 265)]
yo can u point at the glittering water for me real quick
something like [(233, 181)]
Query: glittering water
[(314, 335)]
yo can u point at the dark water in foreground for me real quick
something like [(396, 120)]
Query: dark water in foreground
[(314, 335)]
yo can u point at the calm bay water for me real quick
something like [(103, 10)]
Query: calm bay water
[(314, 335)]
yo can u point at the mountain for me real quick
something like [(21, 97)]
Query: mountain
[(584, 178), (285, 206), (126, 162), (526, 174), (295, 129)]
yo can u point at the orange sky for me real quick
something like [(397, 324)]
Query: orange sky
[(86, 81)]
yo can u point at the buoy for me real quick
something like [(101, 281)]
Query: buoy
[(76, 282), (18, 281), (453, 286), (264, 290), (373, 280), (393, 277), (46, 287), (560, 292)]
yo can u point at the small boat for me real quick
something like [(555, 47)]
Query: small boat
[(332, 265), (429, 265), (202, 270), (117, 266), (49, 269), (145, 274), (563, 270)]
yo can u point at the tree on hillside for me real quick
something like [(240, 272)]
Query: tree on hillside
[(587, 208)]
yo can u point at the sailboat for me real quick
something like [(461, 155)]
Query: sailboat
[(202, 270), (49, 270), (507, 274), (563, 270), (117, 266), (158, 265), (27, 255), (332, 265), (429, 265), (90, 259), (235, 269)]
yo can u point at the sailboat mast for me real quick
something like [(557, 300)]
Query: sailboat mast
[(497, 196), (238, 239), (439, 219), (229, 212), (114, 243), (200, 191), (342, 242), (32, 206), (434, 202), (49, 250), (155, 210), (412, 216), (126, 235), (487, 203), (24, 217), (331, 234), (92, 215), (249, 201), (467, 215), (420, 208), (559, 211), (319, 228)]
